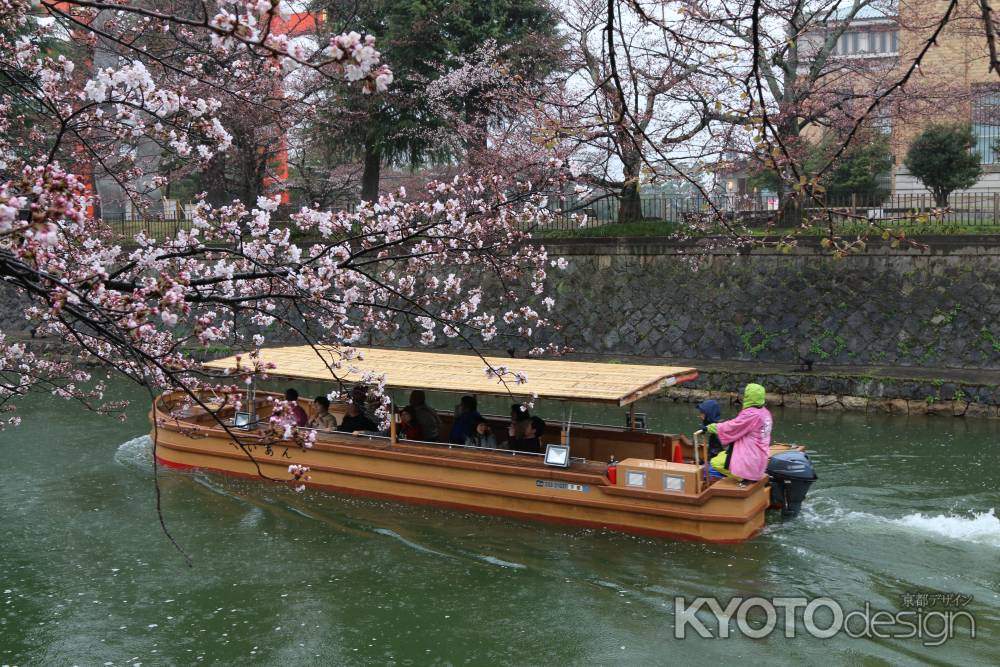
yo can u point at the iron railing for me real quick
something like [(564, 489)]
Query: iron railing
[(676, 213), (973, 210)]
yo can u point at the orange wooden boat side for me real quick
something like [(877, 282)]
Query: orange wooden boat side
[(671, 501)]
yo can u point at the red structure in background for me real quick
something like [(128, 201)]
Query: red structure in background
[(86, 171), (295, 25)]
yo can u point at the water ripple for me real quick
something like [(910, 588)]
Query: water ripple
[(413, 545)]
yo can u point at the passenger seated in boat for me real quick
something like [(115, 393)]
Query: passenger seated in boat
[(711, 413), (323, 420), (481, 435), (409, 429), (750, 433), (531, 442), (466, 414), (354, 421), (425, 416), (359, 396), (301, 418), (519, 418)]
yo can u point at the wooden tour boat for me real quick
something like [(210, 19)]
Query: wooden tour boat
[(658, 487)]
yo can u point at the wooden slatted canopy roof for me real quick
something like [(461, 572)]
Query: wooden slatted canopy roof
[(619, 384)]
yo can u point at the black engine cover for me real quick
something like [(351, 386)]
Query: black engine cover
[(791, 474)]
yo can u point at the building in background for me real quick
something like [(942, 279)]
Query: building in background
[(952, 84)]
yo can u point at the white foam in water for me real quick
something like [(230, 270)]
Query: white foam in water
[(975, 527), (493, 560), (300, 512), (137, 452), (413, 545), (252, 518), (980, 527)]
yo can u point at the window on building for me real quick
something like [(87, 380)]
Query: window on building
[(882, 120), (986, 125), (842, 45), (867, 42)]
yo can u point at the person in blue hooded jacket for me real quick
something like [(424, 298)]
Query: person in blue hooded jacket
[(711, 413)]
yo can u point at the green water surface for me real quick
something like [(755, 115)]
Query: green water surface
[(87, 577)]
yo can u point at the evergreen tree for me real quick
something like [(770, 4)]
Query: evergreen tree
[(942, 158), (861, 168), (422, 39)]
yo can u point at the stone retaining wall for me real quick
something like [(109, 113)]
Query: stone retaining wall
[(888, 307), (850, 393)]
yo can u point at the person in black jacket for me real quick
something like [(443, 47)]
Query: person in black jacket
[(425, 416), (531, 442), (355, 420)]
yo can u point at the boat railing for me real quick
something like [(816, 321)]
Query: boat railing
[(609, 427), (496, 450), (371, 435)]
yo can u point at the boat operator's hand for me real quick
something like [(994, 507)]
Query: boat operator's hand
[(713, 429)]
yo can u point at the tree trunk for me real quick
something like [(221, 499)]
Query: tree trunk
[(370, 177), (941, 198), (479, 123), (252, 175), (213, 181), (481, 140), (629, 202), (791, 212), (630, 205)]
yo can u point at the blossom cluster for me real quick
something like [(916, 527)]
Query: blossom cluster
[(454, 260), (299, 473)]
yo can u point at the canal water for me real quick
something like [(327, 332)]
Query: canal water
[(903, 518)]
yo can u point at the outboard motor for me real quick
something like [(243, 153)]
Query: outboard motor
[(791, 474)]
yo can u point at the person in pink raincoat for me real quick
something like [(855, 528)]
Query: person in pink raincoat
[(750, 433)]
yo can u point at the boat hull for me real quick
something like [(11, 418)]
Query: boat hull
[(492, 483)]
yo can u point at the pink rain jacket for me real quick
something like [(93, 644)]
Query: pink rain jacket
[(751, 431)]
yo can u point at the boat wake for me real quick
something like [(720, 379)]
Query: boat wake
[(252, 519), (413, 545), (493, 560), (979, 527), (136, 453), (974, 527)]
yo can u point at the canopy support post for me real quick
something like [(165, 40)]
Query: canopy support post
[(392, 422), (251, 399), (697, 463), (631, 416), (568, 424)]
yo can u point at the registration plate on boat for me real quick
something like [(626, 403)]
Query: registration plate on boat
[(549, 484)]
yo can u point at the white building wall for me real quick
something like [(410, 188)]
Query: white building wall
[(905, 184)]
